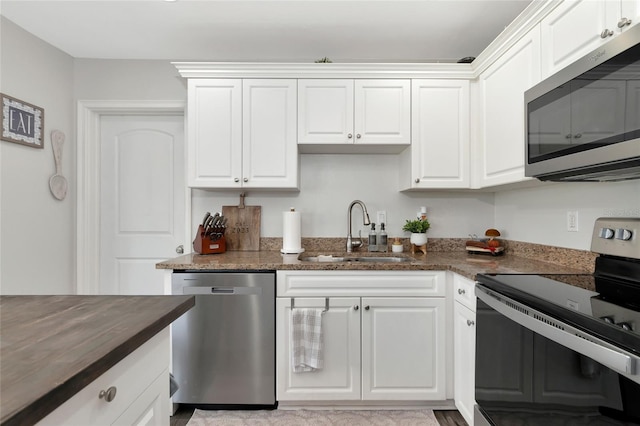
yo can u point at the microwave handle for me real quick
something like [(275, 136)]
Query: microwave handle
[(613, 359)]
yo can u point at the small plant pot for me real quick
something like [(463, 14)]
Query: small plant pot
[(419, 239)]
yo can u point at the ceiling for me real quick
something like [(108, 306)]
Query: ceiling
[(267, 30)]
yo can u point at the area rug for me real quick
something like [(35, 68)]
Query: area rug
[(314, 417)]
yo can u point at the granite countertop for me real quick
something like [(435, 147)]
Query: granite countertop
[(53, 346), (460, 262)]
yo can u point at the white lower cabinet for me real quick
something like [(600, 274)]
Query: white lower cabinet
[(377, 346), (464, 346), (141, 383)]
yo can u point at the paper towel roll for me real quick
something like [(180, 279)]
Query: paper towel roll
[(291, 238)]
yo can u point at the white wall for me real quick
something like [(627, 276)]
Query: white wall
[(539, 215), (328, 184), (36, 230)]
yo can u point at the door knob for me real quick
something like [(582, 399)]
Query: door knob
[(180, 249), (236, 180), (245, 180), (108, 395), (624, 22), (417, 180), (356, 307), (350, 136), (366, 308), (606, 33)]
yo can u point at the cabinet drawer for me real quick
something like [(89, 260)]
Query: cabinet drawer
[(464, 291), (130, 377), (360, 283)]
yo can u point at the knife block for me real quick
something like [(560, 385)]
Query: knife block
[(204, 244)]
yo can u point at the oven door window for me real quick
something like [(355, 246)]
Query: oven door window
[(526, 379)]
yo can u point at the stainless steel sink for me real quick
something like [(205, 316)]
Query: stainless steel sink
[(364, 259)]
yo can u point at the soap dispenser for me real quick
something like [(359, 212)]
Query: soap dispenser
[(373, 244), (382, 239)]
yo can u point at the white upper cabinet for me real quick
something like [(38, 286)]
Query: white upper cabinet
[(439, 153), (336, 115), (242, 133), (500, 159), (214, 132), (577, 27), (270, 151)]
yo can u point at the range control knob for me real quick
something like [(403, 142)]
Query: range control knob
[(606, 233), (623, 234)]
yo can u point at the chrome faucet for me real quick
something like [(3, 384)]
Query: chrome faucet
[(365, 220)]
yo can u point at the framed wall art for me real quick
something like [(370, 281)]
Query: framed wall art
[(22, 122)]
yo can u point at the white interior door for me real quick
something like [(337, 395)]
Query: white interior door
[(142, 198)]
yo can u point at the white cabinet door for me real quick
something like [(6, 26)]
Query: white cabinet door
[(439, 154), (148, 409), (325, 111), (403, 348), (340, 377), (502, 88), (269, 148), (382, 112), (347, 112), (464, 349), (570, 31), (214, 133), (242, 133), (577, 27)]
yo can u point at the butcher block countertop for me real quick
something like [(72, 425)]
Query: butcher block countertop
[(51, 347), (460, 262)]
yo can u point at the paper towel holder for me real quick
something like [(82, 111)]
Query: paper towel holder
[(291, 250)]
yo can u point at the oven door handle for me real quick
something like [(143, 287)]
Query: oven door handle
[(608, 357)]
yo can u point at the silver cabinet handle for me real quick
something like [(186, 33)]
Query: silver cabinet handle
[(606, 33), (417, 180), (180, 249), (356, 307), (236, 180), (358, 136), (470, 323), (461, 291), (624, 22), (578, 136), (108, 395), (366, 308), (350, 136), (245, 180)]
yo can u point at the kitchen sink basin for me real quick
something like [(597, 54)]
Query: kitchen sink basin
[(358, 259)]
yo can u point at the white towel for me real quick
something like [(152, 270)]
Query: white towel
[(306, 338)]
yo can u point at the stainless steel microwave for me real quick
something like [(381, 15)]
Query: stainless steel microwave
[(583, 123)]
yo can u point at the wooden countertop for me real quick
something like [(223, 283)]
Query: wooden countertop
[(460, 262), (51, 347)]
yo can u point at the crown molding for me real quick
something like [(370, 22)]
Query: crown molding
[(522, 24)]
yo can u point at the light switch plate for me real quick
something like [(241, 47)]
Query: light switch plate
[(572, 221)]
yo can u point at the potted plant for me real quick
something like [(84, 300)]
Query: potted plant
[(418, 229)]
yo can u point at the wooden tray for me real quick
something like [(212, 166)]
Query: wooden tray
[(243, 226)]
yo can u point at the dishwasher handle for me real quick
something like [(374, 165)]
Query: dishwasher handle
[(210, 290)]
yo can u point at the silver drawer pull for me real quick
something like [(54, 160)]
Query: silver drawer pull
[(108, 395), (470, 323), (461, 291)]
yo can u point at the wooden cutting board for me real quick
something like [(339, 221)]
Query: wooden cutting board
[(243, 226)]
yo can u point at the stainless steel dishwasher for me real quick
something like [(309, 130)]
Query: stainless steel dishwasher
[(224, 347)]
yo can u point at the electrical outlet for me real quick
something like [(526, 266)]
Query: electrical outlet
[(382, 217), (572, 221)]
